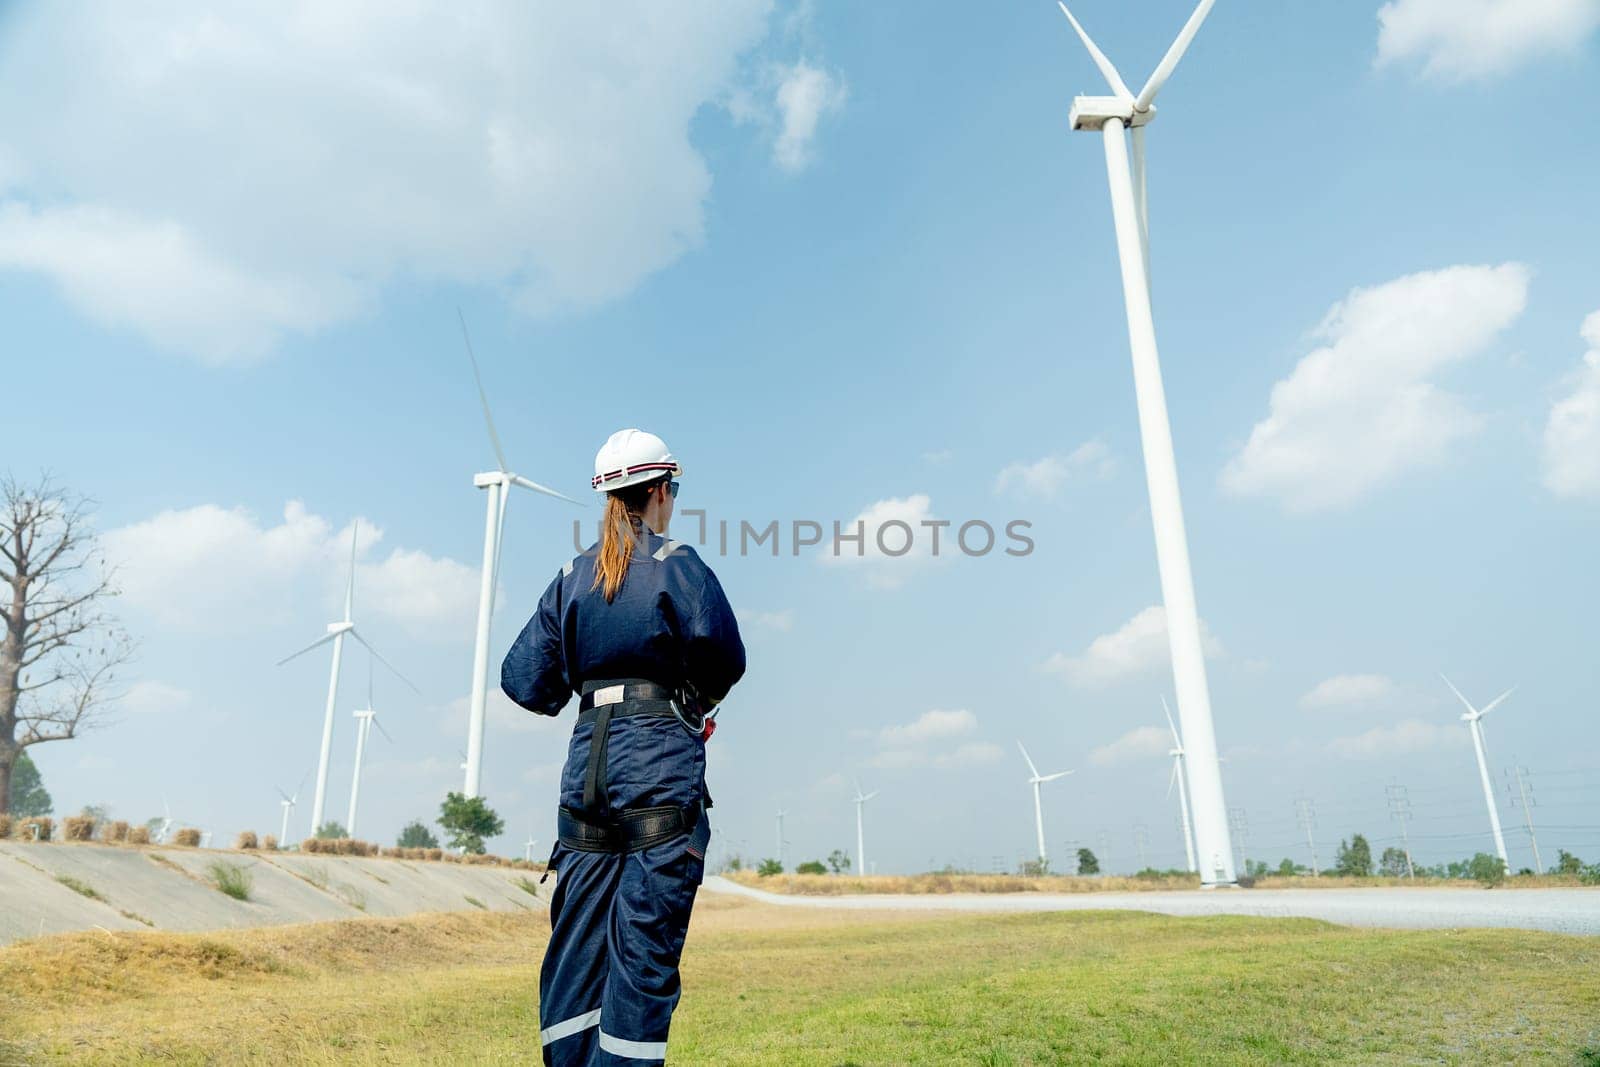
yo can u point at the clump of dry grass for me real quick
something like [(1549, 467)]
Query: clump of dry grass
[(434, 854), (5, 826), (116, 833), (188, 837), (34, 828), (247, 841), (139, 835), (269, 843), (77, 828)]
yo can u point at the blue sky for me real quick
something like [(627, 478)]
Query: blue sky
[(848, 260)]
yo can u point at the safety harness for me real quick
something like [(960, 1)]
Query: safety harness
[(594, 827)]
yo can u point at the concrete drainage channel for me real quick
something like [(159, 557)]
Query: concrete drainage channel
[(58, 888)]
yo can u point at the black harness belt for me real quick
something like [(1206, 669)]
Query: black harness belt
[(594, 828)]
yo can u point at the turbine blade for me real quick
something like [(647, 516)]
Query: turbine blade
[(1459, 697), (324, 639), (285, 796), (1176, 740), (1496, 702), (1031, 768), (381, 730), (1141, 199), (537, 488), (1173, 780), (383, 661), (500, 525), (1169, 62), (1113, 79), (869, 796), (1053, 777), (483, 397)]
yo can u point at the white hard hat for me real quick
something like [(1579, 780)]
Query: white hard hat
[(629, 457)]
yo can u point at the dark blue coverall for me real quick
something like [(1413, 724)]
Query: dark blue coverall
[(609, 982)]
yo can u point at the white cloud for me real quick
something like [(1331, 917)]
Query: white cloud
[(1141, 743), (1048, 476), (929, 727), (1403, 738), (1362, 411), (210, 567), (276, 166), (1345, 689), (1465, 40), (782, 621), (1572, 434), (805, 93), (1139, 646), (150, 697), (971, 754), (894, 540)]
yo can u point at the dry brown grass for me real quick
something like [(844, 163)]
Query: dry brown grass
[(247, 841), (116, 833), (269, 843), (77, 828), (5, 826), (139, 835), (188, 837), (925, 884)]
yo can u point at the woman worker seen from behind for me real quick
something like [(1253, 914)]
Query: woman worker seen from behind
[(639, 629)]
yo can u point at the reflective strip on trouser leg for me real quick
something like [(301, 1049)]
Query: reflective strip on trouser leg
[(573, 977), (649, 920)]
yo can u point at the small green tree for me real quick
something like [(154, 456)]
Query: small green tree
[(1392, 863), (1256, 868), (1289, 868), (1567, 863), (838, 861), (467, 821), (416, 834), (331, 831), (1087, 864), (768, 868), (811, 867), (28, 794), (1489, 871), (1355, 859)]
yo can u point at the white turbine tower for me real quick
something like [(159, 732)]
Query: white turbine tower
[(527, 848), (861, 843), (498, 483), (1474, 720), (1036, 780), (366, 719), (1180, 782), (288, 802), (781, 814), (336, 633), (1112, 116)]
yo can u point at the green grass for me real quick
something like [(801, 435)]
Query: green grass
[(231, 879), (775, 986), (527, 885), (476, 903), (83, 889)]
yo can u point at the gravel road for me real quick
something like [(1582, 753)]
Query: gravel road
[(1565, 911)]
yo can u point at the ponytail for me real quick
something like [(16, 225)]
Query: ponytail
[(617, 537)]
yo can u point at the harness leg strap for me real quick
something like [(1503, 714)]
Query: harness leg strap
[(594, 777)]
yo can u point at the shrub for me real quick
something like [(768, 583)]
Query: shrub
[(811, 867), (1355, 859), (231, 880), (269, 844), (117, 832), (416, 835), (77, 828), (139, 835), (188, 837), (5, 826), (1566, 862), (247, 840), (1489, 870), (34, 828), (1590, 875), (1087, 863)]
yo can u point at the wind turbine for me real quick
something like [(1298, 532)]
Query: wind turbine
[(498, 482), (527, 848), (781, 814), (1474, 720), (336, 633), (861, 853), (1178, 781), (1111, 116), (366, 719), (1036, 780), (288, 803), (166, 823)]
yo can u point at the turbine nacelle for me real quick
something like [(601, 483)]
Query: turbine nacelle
[(1093, 112), (342, 627)]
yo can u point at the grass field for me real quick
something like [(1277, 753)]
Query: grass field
[(784, 986)]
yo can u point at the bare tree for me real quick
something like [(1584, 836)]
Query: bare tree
[(61, 649)]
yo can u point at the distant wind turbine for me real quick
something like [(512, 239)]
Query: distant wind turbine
[(1179, 782), (781, 814), (527, 848), (1474, 720), (1035, 780), (1112, 117), (366, 719), (288, 803), (498, 482), (861, 845)]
